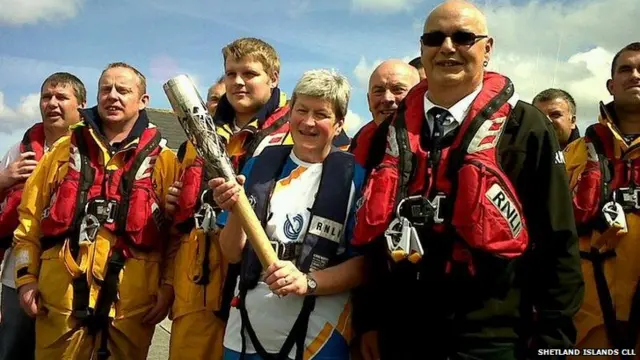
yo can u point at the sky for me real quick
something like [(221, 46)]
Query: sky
[(538, 44)]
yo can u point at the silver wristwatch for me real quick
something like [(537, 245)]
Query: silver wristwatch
[(312, 285)]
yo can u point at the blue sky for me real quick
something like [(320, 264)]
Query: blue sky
[(164, 38)]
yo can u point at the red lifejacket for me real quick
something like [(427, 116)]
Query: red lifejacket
[(471, 197), (34, 141), (604, 175), (123, 200)]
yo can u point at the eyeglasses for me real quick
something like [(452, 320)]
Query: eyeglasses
[(463, 38)]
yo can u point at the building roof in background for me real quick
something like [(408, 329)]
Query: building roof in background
[(169, 127)]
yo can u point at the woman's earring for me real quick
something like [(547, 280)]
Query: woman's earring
[(486, 63)]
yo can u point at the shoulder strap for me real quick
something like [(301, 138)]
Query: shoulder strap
[(182, 151), (263, 133), (377, 146), (326, 223), (87, 174), (606, 170), (259, 187), (126, 183), (405, 156), (458, 153)]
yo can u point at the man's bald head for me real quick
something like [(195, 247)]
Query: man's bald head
[(458, 9), (388, 85), (455, 48), (395, 66)]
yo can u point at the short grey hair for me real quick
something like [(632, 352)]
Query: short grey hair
[(325, 84)]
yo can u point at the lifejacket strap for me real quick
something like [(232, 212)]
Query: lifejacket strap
[(597, 259)]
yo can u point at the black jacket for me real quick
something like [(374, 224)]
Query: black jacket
[(548, 278)]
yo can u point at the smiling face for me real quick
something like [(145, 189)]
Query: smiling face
[(248, 85), (448, 63), (313, 126), (388, 85), (120, 96), (624, 85)]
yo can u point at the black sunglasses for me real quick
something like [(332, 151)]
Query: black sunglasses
[(436, 38)]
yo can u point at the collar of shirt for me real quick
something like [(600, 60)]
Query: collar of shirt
[(458, 111)]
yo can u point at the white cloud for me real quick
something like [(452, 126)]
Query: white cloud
[(567, 46), (555, 44), (21, 12), (25, 114), (363, 70), (383, 6), (352, 122)]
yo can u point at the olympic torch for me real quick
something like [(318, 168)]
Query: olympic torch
[(201, 132)]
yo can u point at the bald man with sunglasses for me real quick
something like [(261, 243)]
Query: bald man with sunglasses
[(474, 180)]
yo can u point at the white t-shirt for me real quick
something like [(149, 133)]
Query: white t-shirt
[(9, 262), (272, 317)]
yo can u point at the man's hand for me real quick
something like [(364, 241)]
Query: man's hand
[(18, 170), (369, 345), (609, 239), (29, 298), (171, 202), (160, 309)]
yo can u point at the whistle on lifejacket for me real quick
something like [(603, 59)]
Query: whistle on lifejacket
[(402, 241), (88, 229), (614, 215)]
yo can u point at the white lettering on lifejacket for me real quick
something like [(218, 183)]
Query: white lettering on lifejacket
[(392, 142), (318, 262), (487, 135), (74, 158), (507, 208), (146, 168), (559, 158), (592, 155), (326, 228)]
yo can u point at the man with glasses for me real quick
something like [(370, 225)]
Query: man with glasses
[(474, 212)]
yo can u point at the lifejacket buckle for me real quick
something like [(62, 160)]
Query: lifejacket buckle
[(205, 218), (403, 241), (88, 229), (286, 251), (420, 210), (102, 209), (630, 198), (613, 214)]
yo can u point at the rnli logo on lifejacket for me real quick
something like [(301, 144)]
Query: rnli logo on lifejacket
[(326, 228), (559, 158), (487, 135), (252, 201), (507, 208), (293, 226), (146, 168)]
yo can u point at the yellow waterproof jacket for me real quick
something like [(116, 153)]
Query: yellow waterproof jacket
[(54, 268), (622, 272)]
